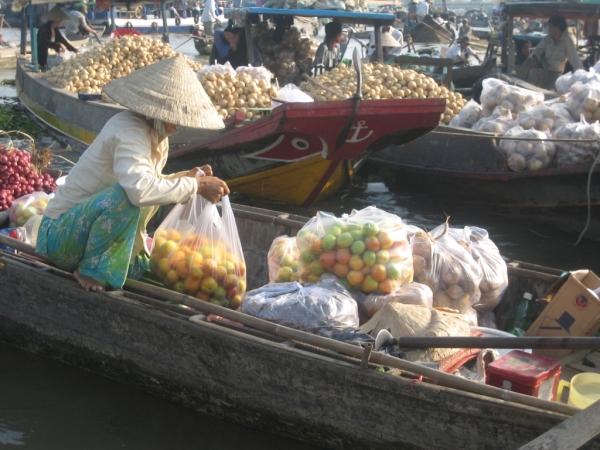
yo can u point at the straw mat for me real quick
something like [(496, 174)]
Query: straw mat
[(169, 91)]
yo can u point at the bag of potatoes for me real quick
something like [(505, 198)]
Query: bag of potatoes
[(447, 268)]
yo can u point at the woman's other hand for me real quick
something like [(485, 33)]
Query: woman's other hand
[(205, 170)]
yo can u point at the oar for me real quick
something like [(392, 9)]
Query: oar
[(184, 42), (496, 342), (357, 98)]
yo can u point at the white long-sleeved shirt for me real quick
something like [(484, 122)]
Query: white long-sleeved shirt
[(208, 15), (455, 51), (396, 34), (423, 8), (554, 55), (128, 152)]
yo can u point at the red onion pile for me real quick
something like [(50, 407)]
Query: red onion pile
[(18, 177)]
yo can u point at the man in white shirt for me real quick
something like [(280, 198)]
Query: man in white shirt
[(460, 52), (422, 10), (396, 34), (553, 52), (209, 16), (78, 24)]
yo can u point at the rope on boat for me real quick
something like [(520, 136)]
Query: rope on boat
[(589, 200), (512, 138)]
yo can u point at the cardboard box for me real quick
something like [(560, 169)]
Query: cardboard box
[(574, 310)]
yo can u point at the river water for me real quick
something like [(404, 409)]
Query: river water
[(49, 405)]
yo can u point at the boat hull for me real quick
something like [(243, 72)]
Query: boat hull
[(255, 380)]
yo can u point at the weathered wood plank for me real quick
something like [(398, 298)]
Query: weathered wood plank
[(572, 433)]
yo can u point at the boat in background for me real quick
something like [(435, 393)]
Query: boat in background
[(292, 155)]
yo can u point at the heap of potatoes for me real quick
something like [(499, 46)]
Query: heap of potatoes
[(383, 82), (88, 72)]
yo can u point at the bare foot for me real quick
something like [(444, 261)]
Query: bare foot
[(88, 283)]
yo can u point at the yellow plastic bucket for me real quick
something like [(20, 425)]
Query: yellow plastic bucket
[(584, 389)]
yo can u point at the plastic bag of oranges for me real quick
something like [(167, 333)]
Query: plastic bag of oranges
[(283, 260), (367, 250), (201, 255)]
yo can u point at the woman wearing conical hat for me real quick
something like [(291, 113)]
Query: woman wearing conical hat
[(50, 37), (95, 226)]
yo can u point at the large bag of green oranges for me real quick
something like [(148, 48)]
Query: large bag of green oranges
[(367, 250)]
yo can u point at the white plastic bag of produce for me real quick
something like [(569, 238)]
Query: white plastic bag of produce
[(499, 122), (367, 250), (257, 73), (27, 206), (409, 294), (499, 93), (283, 260), (325, 308), (527, 154), (564, 82), (468, 116), (447, 268), (494, 272), (545, 117), (204, 260), (584, 101), (569, 154), (291, 93), (223, 69)]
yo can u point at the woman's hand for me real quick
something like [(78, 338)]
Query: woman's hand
[(212, 188), (205, 168), (61, 47)]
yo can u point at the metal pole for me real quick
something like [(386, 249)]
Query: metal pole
[(163, 9), (249, 41), (511, 46), (34, 59), (378, 47), (24, 33), (113, 25)]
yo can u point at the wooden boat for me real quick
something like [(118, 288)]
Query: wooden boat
[(466, 165), (289, 156), (251, 376)]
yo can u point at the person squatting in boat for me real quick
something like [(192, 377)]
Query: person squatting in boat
[(50, 37), (95, 226)]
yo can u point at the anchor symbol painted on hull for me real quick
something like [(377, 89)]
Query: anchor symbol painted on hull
[(359, 126)]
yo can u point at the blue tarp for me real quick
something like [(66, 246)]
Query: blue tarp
[(344, 16)]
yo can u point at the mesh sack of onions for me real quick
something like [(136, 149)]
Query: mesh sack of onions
[(499, 122), (569, 154)]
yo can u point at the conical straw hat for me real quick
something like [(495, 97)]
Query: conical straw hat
[(169, 91), (388, 41), (56, 14)]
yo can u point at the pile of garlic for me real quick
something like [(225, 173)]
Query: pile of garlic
[(88, 72), (231, 92), (384, 82)]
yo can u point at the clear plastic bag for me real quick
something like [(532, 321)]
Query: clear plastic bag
[(564, 82), (494, 273), (447, 268), (499, 122), (409, 294), (569, 154), (291, 93), (528, 154), (367, 250), (27, 206), (584, 101), (545, 117), (283, 260), (201, 256), (257, 73), (468, 115), (223, 69), (325, 308), (500, 93)]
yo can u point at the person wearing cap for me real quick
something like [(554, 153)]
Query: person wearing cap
[(465, 30), (78, 24), (230, 46), (394, 33), (557, 47), (50, 37), (95, 226), (461, 51), (328, 54), (422, 10), (209, 17), (388, 45)]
